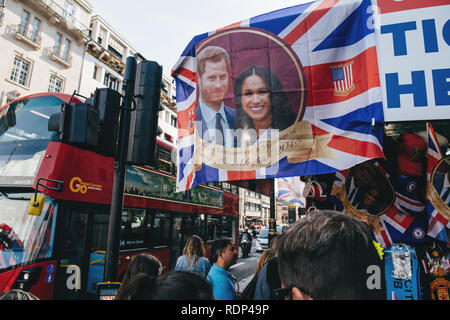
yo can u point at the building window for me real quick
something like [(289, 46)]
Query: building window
[(174, 121), (116, 48), (20, 71), (66, 49), (24, 22), (36, 26), (111, 82), (95, 72), (56, 84), (101, 35), (58, 43), (69, 12)]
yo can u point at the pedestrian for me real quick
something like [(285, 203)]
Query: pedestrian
[(17, 294), (327, 255), (143, 263), (173, 285), (223, 255), (193, 258), (266, 278)]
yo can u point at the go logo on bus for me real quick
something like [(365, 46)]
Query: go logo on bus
[(78, 185)]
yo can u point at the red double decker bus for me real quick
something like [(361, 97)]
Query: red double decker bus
[(59, 252)]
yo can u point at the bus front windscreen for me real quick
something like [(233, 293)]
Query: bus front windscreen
[(24, 137), (24, 238)]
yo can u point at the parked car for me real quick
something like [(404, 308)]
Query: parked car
[(262, 242)]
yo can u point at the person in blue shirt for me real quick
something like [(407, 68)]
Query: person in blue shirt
[(193, 259), (223, 254)]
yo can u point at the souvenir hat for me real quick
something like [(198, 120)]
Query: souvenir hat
[(411, 154)]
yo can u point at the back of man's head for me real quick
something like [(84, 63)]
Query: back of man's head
[(327, 254), (218, 246)]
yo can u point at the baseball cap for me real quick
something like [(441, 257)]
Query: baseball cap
[(411, 154)]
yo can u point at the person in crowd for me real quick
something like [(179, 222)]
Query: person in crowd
[(173, 285), (267, 272), (223, 255), (214, 119), (143, 263), (193, 258), (17, 294), (261, 102), (326, 256), (246, 234)]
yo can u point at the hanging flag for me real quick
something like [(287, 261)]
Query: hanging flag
[(438, 188), (315, 75), (290, 190)]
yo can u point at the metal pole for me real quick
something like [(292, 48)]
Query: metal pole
[(272, 219), (120, 165)]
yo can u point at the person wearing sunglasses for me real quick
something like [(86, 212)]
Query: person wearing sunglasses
[(326, 256)]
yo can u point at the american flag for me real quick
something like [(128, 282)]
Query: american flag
[(290, 190), (323, 34), (438, 212), (342, 77)]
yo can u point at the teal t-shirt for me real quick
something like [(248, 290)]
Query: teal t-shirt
[(222, 283)]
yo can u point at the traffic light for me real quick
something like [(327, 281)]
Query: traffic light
[(144, 120), (107, 102), (77, 123)]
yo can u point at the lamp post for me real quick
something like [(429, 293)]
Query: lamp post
[(272, 219)]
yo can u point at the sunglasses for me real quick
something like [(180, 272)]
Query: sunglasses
[(283, 293)]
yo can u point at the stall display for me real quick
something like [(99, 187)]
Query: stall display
[(405, 200)]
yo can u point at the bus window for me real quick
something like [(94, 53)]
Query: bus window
[(134, 231), (227, 227), (100, 232), (25, 238), (214, 227), (75, 229), (177, 239), (199, 225), (161, 229)]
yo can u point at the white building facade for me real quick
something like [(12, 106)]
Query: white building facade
[(105, 54), (42, 44)]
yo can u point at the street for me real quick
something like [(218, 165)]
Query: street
[(244, 269)]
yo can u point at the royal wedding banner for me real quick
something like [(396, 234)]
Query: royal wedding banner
[(294, 92)]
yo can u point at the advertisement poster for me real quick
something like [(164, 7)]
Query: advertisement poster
[(293, 92)]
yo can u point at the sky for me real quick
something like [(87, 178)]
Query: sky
[(161, 29)]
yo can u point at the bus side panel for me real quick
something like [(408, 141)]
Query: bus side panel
[(40, 279), (4, 279)]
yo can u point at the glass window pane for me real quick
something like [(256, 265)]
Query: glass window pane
[(161, 229), (135, 233)]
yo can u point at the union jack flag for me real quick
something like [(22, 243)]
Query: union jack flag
[(290, 190), (323, 34), (437, 214)]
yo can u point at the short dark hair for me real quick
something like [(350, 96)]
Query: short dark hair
[(218, 246), (327, 254), (173, 285)]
